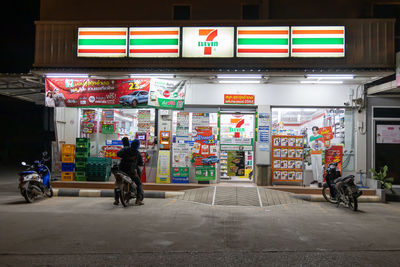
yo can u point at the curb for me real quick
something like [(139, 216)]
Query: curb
[(70, 192), (320, 198)]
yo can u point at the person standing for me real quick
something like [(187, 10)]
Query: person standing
[(316, 145), (59, 98)]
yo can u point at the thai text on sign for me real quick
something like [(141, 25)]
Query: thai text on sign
[(239, 99)]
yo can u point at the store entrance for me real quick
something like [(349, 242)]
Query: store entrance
[(237, 146)]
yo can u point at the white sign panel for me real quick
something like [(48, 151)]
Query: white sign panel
[(208, 42), (388, 134)]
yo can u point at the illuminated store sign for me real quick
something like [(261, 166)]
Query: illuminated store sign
[(208, 42), (154, 42), (317, 41), (262, 42), (102, 42)]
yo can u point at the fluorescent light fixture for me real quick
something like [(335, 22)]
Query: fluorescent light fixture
[(239, 76), (330, 76), (239, 81), (323, 82), (161, 75), (66, 75)]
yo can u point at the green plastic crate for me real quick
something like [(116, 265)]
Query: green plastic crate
[(80, 169), (82, 149), (99, 160), (80, 174), (81, 163), (80, 178), (82, 154)]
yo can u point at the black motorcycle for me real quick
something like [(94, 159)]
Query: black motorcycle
[(339, 189), (124, 186)]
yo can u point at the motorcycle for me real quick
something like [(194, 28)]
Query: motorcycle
[(124, 186), (339, 189), (35, 180)]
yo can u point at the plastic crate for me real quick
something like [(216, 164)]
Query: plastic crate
[(92, 160), (80, 162), (67, 167), (82, 154), (68, 149), (98, 177), (80, 169), (82, 149), (80, 174), (67, 176), (80, 178), (82, 141), (68, 158)]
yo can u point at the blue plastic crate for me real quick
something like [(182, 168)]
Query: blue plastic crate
[(67, 167)]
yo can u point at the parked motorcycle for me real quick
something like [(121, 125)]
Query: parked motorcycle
[(35, 180), (124, 186), (339, 189)]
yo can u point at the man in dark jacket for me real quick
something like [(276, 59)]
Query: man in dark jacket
[(130, 162)]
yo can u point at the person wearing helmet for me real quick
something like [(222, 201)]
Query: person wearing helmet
[(138, 171)]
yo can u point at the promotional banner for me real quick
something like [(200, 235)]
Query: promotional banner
[(182, 124), (180, 163), (239, 99), (144, 117), (167, 94), (334, 154), (388, 134), (204, 153), (110, 151), (70, 92), (163, 167)]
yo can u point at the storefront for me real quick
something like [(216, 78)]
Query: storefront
[(231, 120)]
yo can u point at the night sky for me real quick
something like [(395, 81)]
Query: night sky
[(18, 35)]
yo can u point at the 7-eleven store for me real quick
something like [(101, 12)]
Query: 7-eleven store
[(212, 104)]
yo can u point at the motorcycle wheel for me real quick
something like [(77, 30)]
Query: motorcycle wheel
[(124, 195), (28, 195), (49, 192), (326, 192), (353, 203)]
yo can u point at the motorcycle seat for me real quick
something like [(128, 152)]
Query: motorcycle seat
[(343, 179)]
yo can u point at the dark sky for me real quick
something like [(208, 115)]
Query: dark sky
[(18, 35)]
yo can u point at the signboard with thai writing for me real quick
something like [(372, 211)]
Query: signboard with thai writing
[(167, 94), (262, 42), (208, 42), (102, 42), (318, 41), (239, 99), (388, 134), (154, 42)]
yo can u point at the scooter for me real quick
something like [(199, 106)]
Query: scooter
[(124, 186), (339, 189), (35, 180)]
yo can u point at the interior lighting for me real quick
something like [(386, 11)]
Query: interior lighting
[(66, 75), (239, 76), (330, 77), (152, 76), (239, 81), (323, 82)]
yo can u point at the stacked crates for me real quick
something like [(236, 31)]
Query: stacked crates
[(98, 169), (82, 154), (67, 162)]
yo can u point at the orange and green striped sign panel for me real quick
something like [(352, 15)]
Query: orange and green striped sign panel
[(321, 41), (262, 42), (154, 42), (102, 42)]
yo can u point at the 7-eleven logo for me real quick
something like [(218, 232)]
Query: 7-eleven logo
[(238, 128), (209, 43)]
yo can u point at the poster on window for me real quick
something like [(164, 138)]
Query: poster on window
[(388, 134), (334, 154), (163, 167), (144, 120), (204, 154), (200, 120), (71, 92), (180, 163), (182, 124), (167, 94)]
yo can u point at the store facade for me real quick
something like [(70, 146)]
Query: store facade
[(239, 105)]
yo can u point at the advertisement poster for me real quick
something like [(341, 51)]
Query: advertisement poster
[(236, 163), (263, 131), (182, 124), (110, 151), (144, 120), (204, 154), (107, 115), (239, 99), (167, 94), (71, 92), (388, 134), (334, 154), (89, 124), (163, 167), (180, 163), (200, 120)]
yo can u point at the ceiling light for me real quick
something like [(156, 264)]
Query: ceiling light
[(330, 76), (323, 82), (239, 81), (152, 76), (239, 76), (66, 75)]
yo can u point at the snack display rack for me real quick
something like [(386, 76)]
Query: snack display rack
[(287, 159)]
